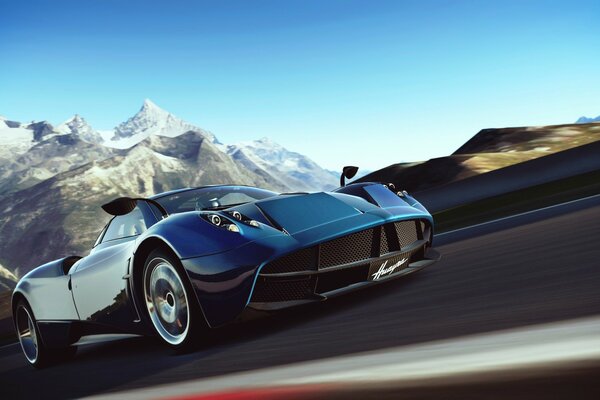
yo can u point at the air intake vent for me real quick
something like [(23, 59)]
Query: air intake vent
[(347, 249)]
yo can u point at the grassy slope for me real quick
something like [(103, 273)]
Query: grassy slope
[(488, 150), (519, 201)]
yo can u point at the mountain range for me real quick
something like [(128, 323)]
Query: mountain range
[(53, 179), (586, 120)]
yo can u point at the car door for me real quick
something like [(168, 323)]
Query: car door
[(100, 281)]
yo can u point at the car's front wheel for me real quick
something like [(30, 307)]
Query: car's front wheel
[(169, 301), (34, 349)]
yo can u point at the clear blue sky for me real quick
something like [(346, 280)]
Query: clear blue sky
[(345, 82)]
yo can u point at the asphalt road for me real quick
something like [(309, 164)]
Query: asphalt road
[(536, 268)]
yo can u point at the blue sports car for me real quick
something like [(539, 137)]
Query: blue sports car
[(181, 262)]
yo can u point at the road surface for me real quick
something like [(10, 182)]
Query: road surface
[(535, 268)]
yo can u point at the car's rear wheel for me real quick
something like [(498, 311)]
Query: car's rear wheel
[(36, 353), (169, 301)]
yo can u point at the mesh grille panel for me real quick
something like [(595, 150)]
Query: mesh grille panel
[(301, 260), (347, 249), (407, 232), (273, 290), (352, 248), (384, 246)]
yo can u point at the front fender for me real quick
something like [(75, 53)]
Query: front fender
[(47, 290), (223, 282)]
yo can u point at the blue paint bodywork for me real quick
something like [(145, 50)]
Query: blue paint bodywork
[(224, 280), (222, 266)]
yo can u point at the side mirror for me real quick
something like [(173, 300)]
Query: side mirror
[(120, 206), (348, 172)]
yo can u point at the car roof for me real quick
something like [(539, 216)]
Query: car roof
[(170, 192)]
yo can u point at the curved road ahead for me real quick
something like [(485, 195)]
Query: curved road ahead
[(529, 269)]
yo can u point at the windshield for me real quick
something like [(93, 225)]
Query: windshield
[(212, 198)]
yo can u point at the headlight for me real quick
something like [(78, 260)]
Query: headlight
[(221, 222), (225, 223), (231, 227), (242, 218), (215, 219)]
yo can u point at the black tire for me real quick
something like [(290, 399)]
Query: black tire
[(171, 306), (34, 349)]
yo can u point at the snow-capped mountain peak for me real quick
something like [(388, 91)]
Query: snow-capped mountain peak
[(15, 139), (77, 125), (153, 120), (265, 141), (75, 120), (263, 145), (152, 125), (149, 106)]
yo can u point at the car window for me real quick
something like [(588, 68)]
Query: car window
[(156, 213), (211, 197), (131, 224), (100, 236)]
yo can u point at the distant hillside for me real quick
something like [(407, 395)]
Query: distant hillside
[(289, 168), (546, 139), (586, 120), (488, 150)]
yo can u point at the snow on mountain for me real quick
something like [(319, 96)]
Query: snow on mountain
[(42, 130), (14, 139), (290, 168), (59, 153), (586, 120), (65, 147), (78, 126), (151, 120)]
